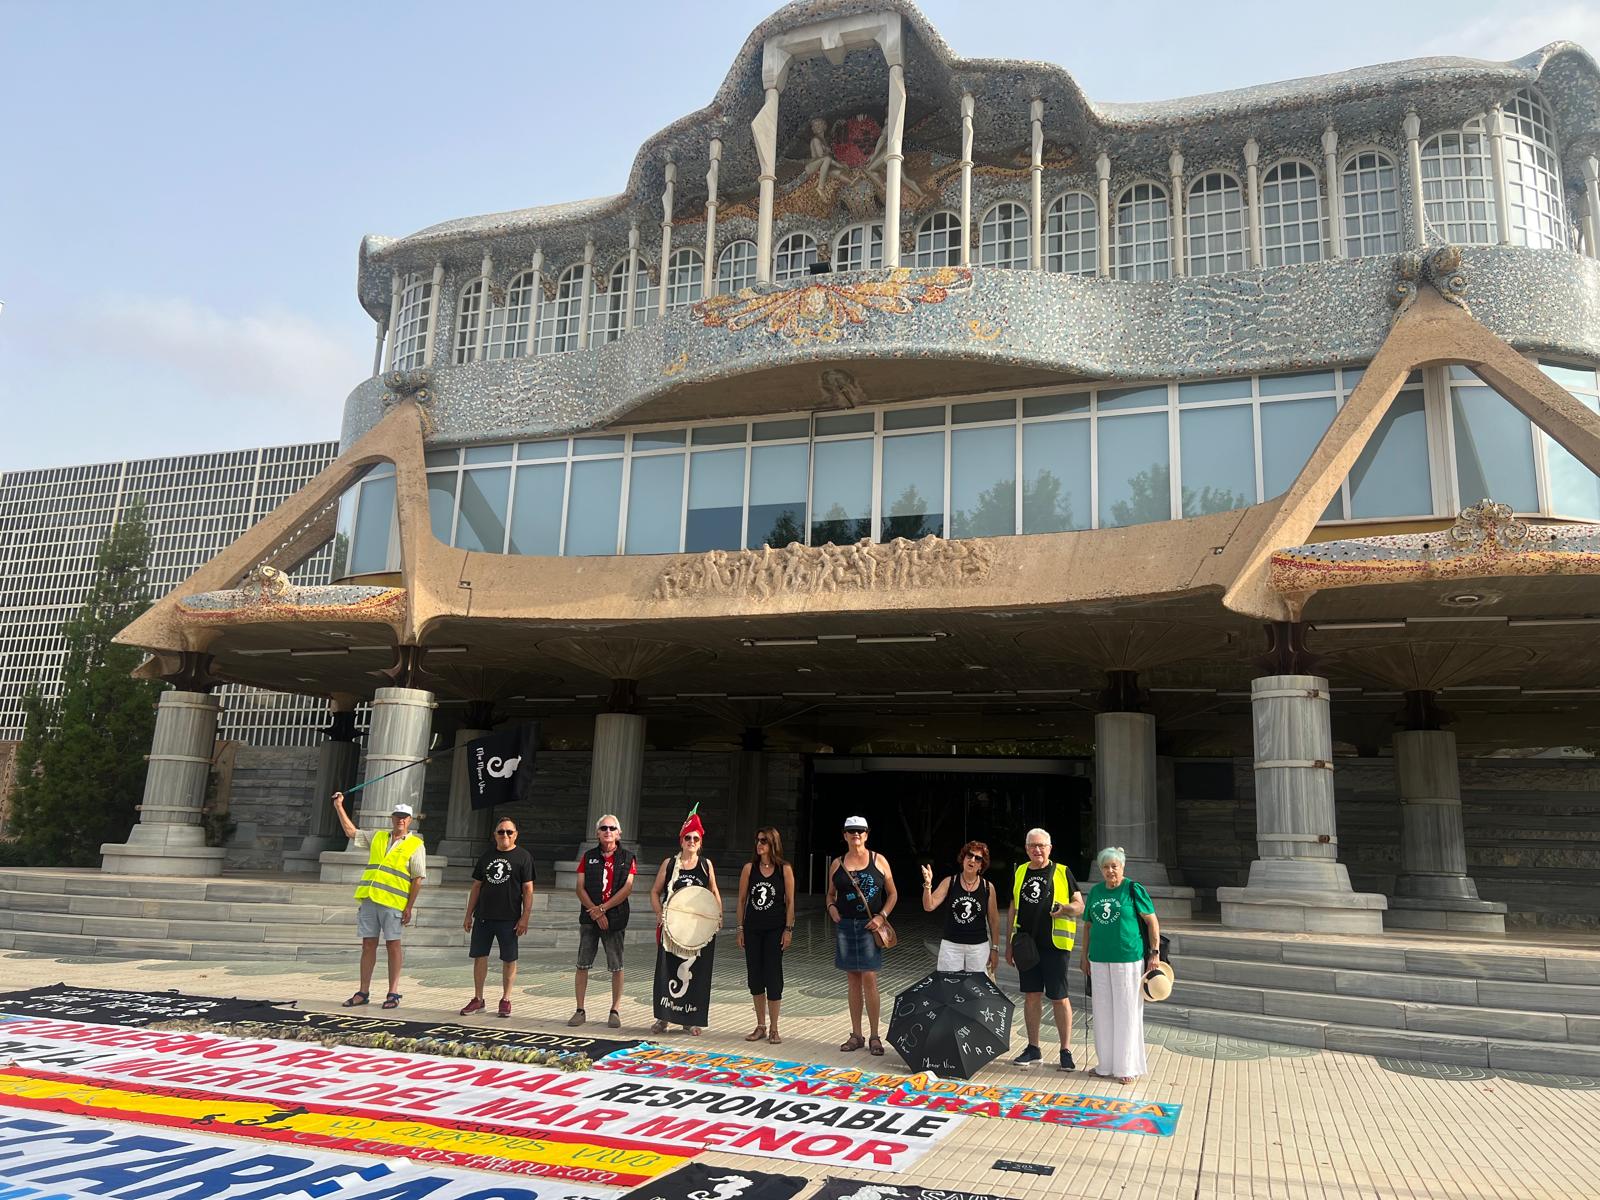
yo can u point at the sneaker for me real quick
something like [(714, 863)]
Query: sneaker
[(614, 1019), (1029, 1057), (576, 1019), (474, 1005), (1066, 1061), (504, 1009)]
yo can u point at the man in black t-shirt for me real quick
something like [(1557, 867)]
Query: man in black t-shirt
[(497, 911)]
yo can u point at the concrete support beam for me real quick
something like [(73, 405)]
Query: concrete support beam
[(616, 775), (402, 726), (169, 838), (1126, 807)]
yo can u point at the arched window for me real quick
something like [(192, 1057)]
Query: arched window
[(1458, 187), (1144, 234), (1003, 237), (1072, 235), (606, 308), (791, 261), (509, 324), (1291, 215), (411, 324), (1533, 175), (858, 248), (736, 267), (1371, 205), (558, 317), (469, 318), (1214, 221), (685, 279), (646, 294), (938, 241)]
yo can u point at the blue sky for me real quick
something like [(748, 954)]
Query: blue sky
[(184, 185)]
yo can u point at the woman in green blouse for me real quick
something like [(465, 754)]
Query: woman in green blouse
[(1115, 959)]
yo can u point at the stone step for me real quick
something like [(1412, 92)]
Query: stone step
[(173, 948)]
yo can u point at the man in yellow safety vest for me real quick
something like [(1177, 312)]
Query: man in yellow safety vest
[(1045, 906), (396, 865)]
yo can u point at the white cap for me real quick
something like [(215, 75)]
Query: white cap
[(855, 823), (402, 810)]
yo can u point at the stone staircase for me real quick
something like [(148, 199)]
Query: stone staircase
[(1533, 1005)]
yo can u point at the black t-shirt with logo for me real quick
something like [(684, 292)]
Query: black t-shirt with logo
[(766, 903), (1038, 897), (966, 914), (501, 874)]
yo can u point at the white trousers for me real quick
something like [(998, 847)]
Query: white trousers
[(1118, 1019), (954, 956)]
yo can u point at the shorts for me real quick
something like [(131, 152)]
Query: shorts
[(374, 920), (1048, 975), (486, 933), (959, 956), (591, 938)]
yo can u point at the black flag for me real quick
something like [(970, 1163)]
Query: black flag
[(500, 766)]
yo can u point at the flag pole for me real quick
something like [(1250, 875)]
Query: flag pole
[(350, 791)]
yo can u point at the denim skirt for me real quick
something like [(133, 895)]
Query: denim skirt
[(854, 948)]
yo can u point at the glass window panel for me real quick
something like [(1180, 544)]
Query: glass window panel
[(716, 501), (913, 418), (718, 435), (441, 458), (1214, 389), (983, 410), (772, 431), (778, 495), (1494, 450), (1391, 478), (1570, 377), (1139, 397), (841, 491), (1051, 406), (1217, 451), (379, 469), (983, 481), (539, 450), (1299, 384), (485, 496), (1574, 489), (659, 439), (1135, 475), (442, 503), (655, 505), (369, 550), (1055, 476), (593, 505), (536, 518), (844, 423), (597, 445), (913, 486), (1290, 431), (1457, 371), (489, 454)]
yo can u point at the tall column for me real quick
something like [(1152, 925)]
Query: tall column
[(893, 164), (435, 299), (713, 172), (966, 178), (537, 267), (1036, 186), (616, 772), (1335, 194), (1591, 187), (395, 290), (1419, 209), (585, 297), (1494, 122), (486, 275), (765, 129), (377, 351), (1297, 881), (1180, 257), (632, 276), (749, 810), (666, 237), (169, 838), (402, 726), (1252, 198), (1102, 171), (337, 759), (466, 829)]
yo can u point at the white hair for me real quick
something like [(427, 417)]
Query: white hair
[(1114, 854), (1044, 833), (613, 818)]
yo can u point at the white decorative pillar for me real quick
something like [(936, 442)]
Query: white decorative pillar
[(1180, 258), (1126, 807), (377, 352), (1252, 199), (395, 289), (966, 178), (666, 237), (402, 726), (537, 268), (765, 129), (1419, 210), (170, 838), (1297, 882), (466, 829), (616, 771), (1102, 171), (337, 760), (632, 276), (1433, 890), (1591, 187), (893, 164), (712, 178), (485, 275), (435, 298), (1494, 122), (584, 297), (1330, 177), (1036, 186)]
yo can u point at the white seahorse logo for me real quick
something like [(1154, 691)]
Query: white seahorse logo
[(502, 768), (678, 987), (727, 1187)]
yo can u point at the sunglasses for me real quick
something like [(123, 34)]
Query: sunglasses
[(608, 828), (855, 833), (977, 858), (690, 837), (505, 833), (761, 841)]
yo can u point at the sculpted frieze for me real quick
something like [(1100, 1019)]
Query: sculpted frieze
[(797, 570)]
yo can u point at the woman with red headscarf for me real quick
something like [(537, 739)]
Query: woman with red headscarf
[(683, 985)]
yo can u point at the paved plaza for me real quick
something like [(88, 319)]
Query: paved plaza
[(1258, 1120)]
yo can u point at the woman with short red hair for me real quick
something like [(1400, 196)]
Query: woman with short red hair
[(971, 940)]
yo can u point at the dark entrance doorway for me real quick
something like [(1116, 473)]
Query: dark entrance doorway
[(924, 809)]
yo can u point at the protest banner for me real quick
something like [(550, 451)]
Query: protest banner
[(111, 1006), (700, 1182), (850, 1085), (863, 1189), (588, 1126), (76, 1159)]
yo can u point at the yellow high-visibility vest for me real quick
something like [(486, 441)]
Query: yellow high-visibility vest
[(1063, 930), (387, 879)]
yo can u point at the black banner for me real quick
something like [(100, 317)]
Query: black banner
[(834, 1188), (683, 986), (334, 1024), (111, 1006), (696, 1181), (500, 766)]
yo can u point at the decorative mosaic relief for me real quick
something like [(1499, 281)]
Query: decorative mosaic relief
[(823, 312), (797, 570), (266, 596)]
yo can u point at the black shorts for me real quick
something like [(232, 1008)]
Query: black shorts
[(486, 933), (1048, 975)]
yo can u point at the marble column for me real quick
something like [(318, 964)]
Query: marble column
[(1126, 805), (402, 725), (1434, 890), (466, 829), (169, 838), (764, 128), (893, 164), (1297, 882), (616, 772), (337, 760), (749, 808)]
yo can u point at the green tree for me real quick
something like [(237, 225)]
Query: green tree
[(908, 517), (84, 753), (840, 528), (1150, 498)]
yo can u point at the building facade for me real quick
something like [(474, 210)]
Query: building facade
[(906, 405)]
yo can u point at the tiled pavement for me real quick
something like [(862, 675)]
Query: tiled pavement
[(1259, 1120)]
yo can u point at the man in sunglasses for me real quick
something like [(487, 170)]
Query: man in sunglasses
[(497, 911), (605, 881)]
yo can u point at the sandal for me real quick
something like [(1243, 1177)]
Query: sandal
[(874, 1045), (358, 1000), (758, 1034), (854, 1042), (773, 1039), (694, 1031), (658, 1027), (392, 1000)]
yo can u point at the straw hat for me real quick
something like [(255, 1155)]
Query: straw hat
[(1158, 980)]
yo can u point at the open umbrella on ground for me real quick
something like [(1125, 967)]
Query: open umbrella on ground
[(951, 1023)]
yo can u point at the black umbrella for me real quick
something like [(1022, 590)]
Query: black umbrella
[(951, 1023)]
